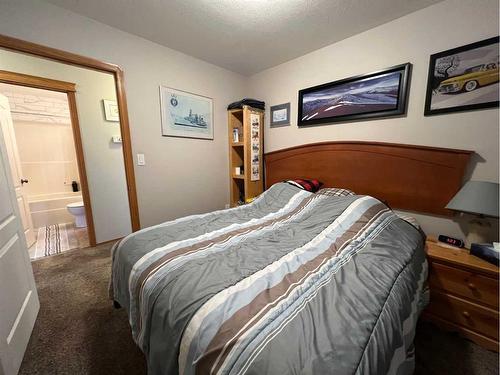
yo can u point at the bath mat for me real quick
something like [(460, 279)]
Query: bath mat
[(53, 239)]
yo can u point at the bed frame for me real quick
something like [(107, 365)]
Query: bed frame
[(408, 177)]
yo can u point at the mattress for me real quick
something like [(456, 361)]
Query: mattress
[(293, 283)]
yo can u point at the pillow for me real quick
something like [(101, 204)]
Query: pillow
[(409, 219), (336, 192), (305, 184)]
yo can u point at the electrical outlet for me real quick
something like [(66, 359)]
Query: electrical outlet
[(141, 160), (226, 206)]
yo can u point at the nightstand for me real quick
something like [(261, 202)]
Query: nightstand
[(463, 294)]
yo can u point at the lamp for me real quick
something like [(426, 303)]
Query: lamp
[(478, 198)]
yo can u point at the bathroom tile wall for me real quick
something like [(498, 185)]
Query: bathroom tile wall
[(45, 142), (33, 105)]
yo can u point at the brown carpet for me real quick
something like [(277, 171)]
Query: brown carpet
[(79, 332)]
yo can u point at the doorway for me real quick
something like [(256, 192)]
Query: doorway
[(110, 168), (41, 130)]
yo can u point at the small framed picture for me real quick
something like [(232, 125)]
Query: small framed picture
[(463, 78), (111, 112), (280, 115)]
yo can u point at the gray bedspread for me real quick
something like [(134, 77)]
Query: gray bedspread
[(293, 283)]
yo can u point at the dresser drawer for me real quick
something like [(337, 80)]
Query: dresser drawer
[(475, 287), (470, 315)]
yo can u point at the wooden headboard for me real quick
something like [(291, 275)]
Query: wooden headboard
[(415, 178)]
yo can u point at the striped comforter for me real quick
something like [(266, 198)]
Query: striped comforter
[(293, 283)]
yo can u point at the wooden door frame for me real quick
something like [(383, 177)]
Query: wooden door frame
[(50, 53), (69, 89)]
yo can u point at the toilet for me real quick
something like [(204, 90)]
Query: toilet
[(78, 211)]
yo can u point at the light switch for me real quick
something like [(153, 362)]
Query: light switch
[(140, 159), (117, 139)]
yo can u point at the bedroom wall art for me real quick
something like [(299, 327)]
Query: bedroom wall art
[(280, 115), (378, 94), (184, 114), (111, 112), (463, 78)]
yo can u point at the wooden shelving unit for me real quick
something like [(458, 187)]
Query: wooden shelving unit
[(242, 187)]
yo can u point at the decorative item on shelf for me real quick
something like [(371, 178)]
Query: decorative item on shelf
[(479, 198), (236, 135), (254, 103), (280, 115), (463, 78), (379, 94), (186, 115), (111, 112)]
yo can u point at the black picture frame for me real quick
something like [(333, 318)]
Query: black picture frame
[(433, 81), (399, 108)]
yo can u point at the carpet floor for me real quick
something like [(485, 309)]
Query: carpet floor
[(79, 332)]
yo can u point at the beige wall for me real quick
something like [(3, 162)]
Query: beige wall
[(103, 160), (411, 38), (181, 176)]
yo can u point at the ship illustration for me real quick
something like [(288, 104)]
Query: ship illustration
[(193, 119)]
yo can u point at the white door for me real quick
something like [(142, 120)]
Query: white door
[(19, 303), (16, 171)]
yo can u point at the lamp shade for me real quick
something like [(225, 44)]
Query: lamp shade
[(476, 197)]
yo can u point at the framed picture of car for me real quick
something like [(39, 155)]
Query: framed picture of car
[(463, 78)]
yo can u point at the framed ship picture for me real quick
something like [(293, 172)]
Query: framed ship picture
[(184, 114), (379, 94), (463, 78)]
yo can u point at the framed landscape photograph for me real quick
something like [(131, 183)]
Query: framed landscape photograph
[(379, 94), (280, 115), (463, 78), (184, 114)]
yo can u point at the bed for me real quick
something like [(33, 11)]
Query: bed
[(295, 282)]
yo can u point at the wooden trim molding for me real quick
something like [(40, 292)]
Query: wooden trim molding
[(37, 82), (128, 158), (80, 158), (408, 177), (19, 45)]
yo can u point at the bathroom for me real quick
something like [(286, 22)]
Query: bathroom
[(42, 152)]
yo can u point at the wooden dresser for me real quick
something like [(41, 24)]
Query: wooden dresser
[(463, 294)]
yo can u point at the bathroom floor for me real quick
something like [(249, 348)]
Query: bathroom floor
[(57, 238)]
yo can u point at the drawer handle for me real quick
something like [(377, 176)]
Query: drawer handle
[(471, 286), (466, 314)]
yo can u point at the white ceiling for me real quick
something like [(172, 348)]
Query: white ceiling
[(245, 36)]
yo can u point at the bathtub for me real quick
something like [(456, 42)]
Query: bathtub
[(49, 209)]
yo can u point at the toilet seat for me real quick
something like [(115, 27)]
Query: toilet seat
[(75, 205)]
